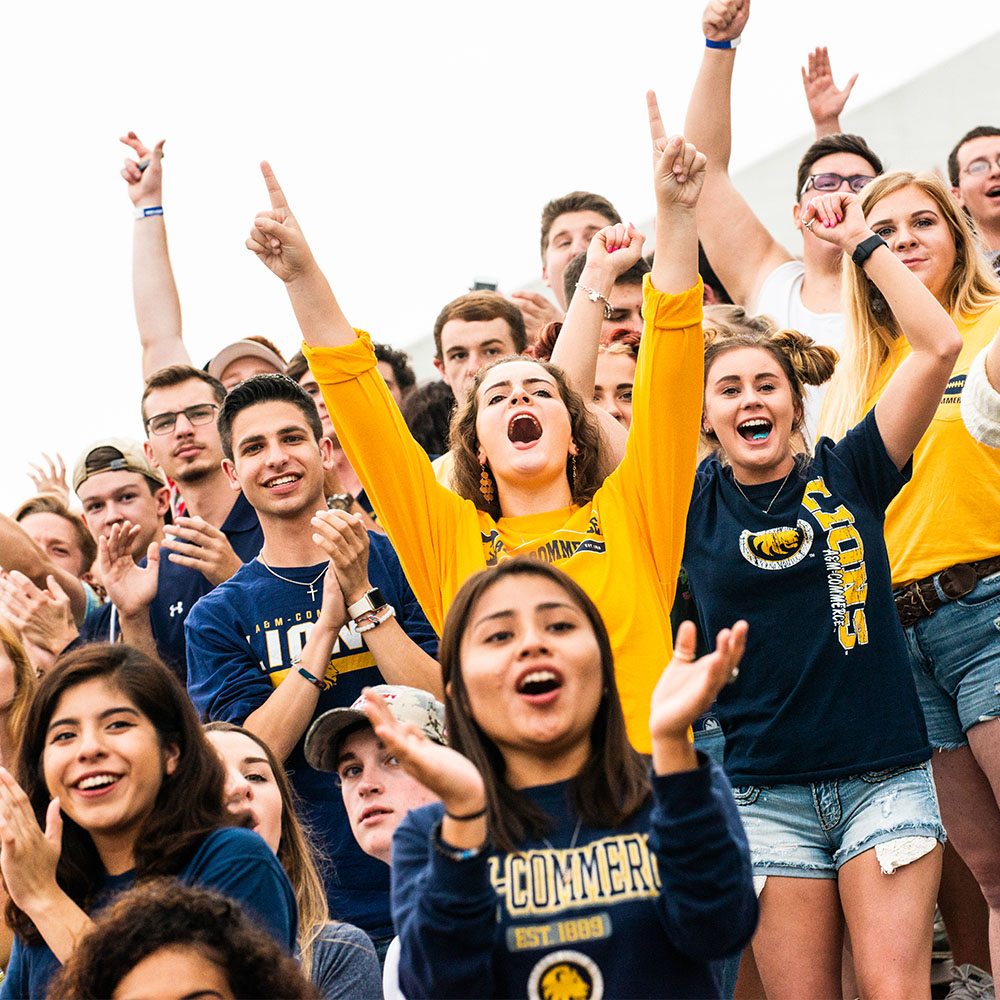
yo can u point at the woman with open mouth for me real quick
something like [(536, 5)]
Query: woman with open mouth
[(825, 741), (942, 530), (527, 468), (558, 863), (116, 783)]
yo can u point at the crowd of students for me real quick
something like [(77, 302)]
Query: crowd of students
[(340, 686)]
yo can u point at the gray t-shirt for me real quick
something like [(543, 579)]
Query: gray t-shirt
[(344, 964)]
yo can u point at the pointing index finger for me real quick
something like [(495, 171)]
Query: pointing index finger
[(656, 130), (273, 187)]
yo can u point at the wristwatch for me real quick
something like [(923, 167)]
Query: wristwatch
[(370, 601), (866, 248), (340, 501)]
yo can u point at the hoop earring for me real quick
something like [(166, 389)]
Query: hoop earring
[(486, 485)]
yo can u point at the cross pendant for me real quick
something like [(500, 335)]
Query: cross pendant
[(312, 591)]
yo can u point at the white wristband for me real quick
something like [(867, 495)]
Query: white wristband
[(145, 213)]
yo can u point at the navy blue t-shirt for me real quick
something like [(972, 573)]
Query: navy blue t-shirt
[(637, 910), (241, 639), (825, 688), (178, 590)]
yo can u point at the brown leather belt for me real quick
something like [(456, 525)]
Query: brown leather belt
[(921, 599)]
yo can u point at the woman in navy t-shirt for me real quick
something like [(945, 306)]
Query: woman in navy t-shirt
[(825, 739), (117, 783)]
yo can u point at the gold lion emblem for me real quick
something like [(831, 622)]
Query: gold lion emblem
[(778, 548), (564, 982)]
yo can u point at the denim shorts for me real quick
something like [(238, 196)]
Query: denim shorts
[(955, 655), (810, 830)]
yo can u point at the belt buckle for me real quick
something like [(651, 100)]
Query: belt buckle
[(957, 581)]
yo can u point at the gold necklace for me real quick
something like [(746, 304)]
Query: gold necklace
[(767, 510)]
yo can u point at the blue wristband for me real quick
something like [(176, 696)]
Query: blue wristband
[(728, 44), (145, 213)]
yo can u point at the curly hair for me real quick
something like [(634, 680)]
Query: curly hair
[(583, 428), (162, 913), (804, 362), (189, 803)]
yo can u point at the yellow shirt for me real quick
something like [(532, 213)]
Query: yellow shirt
[(949, 512), (624, 548)]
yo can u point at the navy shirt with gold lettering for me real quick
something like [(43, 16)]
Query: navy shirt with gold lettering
[(241, 639), (825, 688), (634, 911)]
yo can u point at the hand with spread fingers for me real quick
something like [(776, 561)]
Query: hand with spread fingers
[(145, 174), (679, 169), (194, 542), (51, 480), (837, 218), (276, 237), (28, 855), (825, 101), (131, 587), (343, 537), (43, 618), (687, 688)]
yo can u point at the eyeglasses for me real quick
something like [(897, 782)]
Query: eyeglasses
[(980, 166), (833, 182), (164, 423)]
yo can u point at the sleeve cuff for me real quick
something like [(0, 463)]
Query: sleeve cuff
[(663, 310), (330, 365), (679, 793), (981, 403)]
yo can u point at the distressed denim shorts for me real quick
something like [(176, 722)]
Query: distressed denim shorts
[(955, 655), (810, 830)]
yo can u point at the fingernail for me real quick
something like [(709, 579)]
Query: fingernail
[(631, 226)]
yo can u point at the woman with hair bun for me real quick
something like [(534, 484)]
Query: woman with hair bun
[(825, 740)]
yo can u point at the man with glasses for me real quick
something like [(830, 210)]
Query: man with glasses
[(974, 171), (220, 531), (758, 272)]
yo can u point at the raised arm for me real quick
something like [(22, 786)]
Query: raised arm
[(742, 251), (914, 392), (612, 251), (18, 551), (981, 396), (157, 306), (824, 99), (277, 240)]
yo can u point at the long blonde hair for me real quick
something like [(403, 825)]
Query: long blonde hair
[(970, 289), (24, 686)]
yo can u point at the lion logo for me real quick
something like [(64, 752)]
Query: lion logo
[(566, 975), (777, 548)]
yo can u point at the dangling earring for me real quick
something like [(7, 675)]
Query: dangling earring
[(572, 473), (486, 485)]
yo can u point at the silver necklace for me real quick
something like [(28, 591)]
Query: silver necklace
[(767, 510), (298, 583), (565, 876)]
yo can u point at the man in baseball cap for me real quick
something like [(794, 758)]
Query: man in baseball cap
[(378, 793)]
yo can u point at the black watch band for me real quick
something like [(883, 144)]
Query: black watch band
[(866, 248)]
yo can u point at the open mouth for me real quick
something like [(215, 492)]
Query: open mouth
[(374, 812), (994, 192), (281, 481), (524, 429), (757, 429), (95, 784), (537, 683)]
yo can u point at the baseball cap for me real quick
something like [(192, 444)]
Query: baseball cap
[(244, 349), (115, 455), (408, 704)]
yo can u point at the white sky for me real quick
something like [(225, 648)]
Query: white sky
[(416, 144)]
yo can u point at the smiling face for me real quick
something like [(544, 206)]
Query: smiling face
[(58, 539), (174, 972), (613, 385), (109, 498), (751, 409), (979, 192), (277, 461), (531, 668), (104, 760), (189, 452), (913, 225), (522, 424), (468, 345), (378, 793), (250, 783)]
